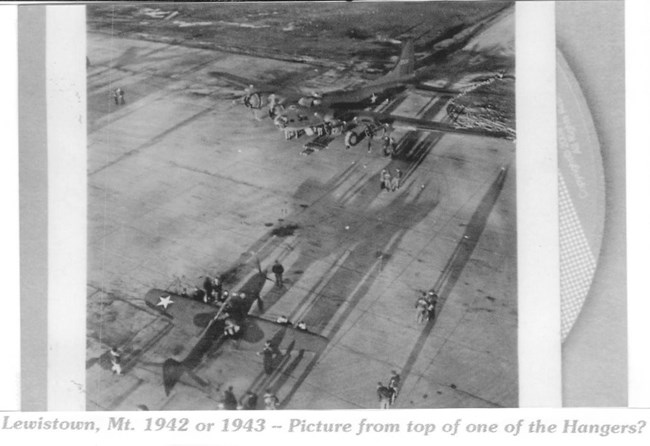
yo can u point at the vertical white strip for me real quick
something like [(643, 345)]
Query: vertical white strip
[(637, 73), (537, 208), (9, 239), (66, 129)]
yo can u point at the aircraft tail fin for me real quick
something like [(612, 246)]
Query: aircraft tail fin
[(406, 63), (172, 372)]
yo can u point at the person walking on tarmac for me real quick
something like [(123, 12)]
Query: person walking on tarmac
[(369, 134), (278, 270)]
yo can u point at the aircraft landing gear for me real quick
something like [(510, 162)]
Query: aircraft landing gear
[(352, 139)]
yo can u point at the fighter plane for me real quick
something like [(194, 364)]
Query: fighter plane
[(213, 326), (357, 112)]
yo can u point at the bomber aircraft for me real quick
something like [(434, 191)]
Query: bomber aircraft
[(357, 112)]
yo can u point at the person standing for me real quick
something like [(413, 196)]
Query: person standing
[(217, 288), (118, 95), (271, 401), (198, 294), (369, 134), (393, 385), (229, 400), (207, 287), (223, 298), (268, 357), (432, 300), (395, 181), (384, 395), (384, 177), (231, 329), (248, 401), (422, 310), (389, 146), (116, 361), (278, 270)]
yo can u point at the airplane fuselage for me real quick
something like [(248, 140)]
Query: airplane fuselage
[(344, 105)]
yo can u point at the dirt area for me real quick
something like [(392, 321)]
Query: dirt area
[(317, 33)]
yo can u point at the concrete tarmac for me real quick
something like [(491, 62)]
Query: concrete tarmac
[(183, 183)]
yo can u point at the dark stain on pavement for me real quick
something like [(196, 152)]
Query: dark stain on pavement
[(231, 275), (285, 231)]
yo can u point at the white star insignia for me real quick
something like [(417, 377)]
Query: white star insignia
[(165, 301)]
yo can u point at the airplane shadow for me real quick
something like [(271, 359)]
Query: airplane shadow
[(313, 230), (456, 264)]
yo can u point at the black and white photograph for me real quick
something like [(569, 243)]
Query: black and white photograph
[(301, 206), (368, 221)]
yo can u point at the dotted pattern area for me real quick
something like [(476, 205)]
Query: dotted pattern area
[(577, 261)]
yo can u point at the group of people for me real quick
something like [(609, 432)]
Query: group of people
[(388, 143), (212, 292), (390, 182), (248, 400), (425, 306), (388, 394), (232, 304)]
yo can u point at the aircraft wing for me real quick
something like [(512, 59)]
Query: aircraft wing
[(183, 312), (259, 87), (436, 90), (415, 124), (257, 330), (232, 79), (189, 314)]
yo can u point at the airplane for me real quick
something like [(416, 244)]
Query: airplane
[(213, 326), (356, 112)]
